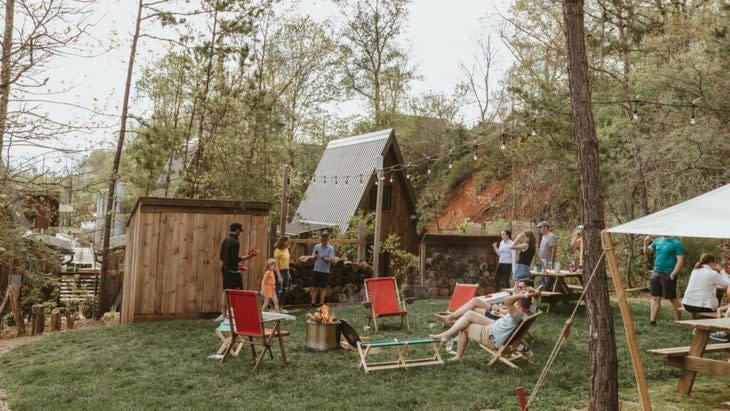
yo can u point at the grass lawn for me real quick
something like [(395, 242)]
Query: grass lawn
[(164, 365)]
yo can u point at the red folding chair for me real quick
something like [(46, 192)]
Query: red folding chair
[(247, 326), (384, 300), (461, 295)]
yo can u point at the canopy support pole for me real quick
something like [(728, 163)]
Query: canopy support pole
[(628, 321)]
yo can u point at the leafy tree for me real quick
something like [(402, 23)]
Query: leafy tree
[(375, 66)]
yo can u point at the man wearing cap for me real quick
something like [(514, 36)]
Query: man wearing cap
[(323, 255), (548, 249), (230, 259)]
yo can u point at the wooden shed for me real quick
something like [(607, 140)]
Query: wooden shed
[(172, 265)]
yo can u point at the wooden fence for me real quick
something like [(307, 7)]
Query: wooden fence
[(78, 285)]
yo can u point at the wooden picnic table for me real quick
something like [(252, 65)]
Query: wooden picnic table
[(690, 358), (561, 290)]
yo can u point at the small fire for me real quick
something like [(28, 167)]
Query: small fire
[(323, 315)]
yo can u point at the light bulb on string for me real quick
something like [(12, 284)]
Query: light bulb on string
[(408, 176), (534, 128), (428, 159), (390, 180), (476, 153), (451, 161), (692, 120)]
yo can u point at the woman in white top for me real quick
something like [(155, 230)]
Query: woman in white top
[(701, 293), (506, 260)]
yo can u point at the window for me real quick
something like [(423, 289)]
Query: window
[(387, 197)]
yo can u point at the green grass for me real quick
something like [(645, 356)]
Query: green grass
[(164, 365)]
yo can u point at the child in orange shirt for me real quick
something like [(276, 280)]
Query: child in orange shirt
[(268, 286)]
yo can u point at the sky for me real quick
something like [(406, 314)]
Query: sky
[(440, 35)]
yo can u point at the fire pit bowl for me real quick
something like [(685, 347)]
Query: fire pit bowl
[(323, 336)]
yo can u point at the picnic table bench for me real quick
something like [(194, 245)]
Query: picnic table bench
[(690, 358), (401, 346)]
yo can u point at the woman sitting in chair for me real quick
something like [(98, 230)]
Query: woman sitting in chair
[(701, 293), (492, 311), (477, 327)]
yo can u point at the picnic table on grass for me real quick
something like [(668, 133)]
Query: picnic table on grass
[(690, 358), (562, 290)]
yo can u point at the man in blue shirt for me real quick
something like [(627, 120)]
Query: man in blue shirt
[(323, 255), (668, 260)]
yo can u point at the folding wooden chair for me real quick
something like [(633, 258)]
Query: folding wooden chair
[(247, 326), (461, 295), (509, 351), (383, 300)]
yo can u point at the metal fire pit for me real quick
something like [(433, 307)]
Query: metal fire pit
[(323, 336)]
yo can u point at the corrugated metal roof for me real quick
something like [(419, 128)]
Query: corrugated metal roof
[(344, 165)]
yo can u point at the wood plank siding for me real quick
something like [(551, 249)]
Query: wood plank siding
[(172, 266)]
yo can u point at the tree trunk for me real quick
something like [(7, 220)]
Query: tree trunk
[(37, 319), (70, 318), (15, 307), (602, 343), (106, 256), (5, 72), (56, 319)]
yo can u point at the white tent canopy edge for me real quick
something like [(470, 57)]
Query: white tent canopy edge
[(705, 216)]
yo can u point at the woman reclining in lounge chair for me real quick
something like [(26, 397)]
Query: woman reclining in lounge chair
[(493, 311), (477, 327)]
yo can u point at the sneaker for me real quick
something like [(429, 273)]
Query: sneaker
[(220, 318), (719, 336)]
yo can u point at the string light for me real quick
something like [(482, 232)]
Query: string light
[(390, 180), (428, 159), (635, 114), (692, 119), (534, 128), (408, 176), (476, 153)]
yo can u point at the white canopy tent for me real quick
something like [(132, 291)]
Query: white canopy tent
[(705, 216)]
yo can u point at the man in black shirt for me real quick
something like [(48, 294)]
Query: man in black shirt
[(230, 258)]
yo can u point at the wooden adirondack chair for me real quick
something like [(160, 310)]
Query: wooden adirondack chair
[(509, 351)]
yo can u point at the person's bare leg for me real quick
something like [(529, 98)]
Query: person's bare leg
[(224, 304), (655, 303), (461, 341), (313, 293), (470, 317), (470, 305), (323, 295), (675, 309)]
